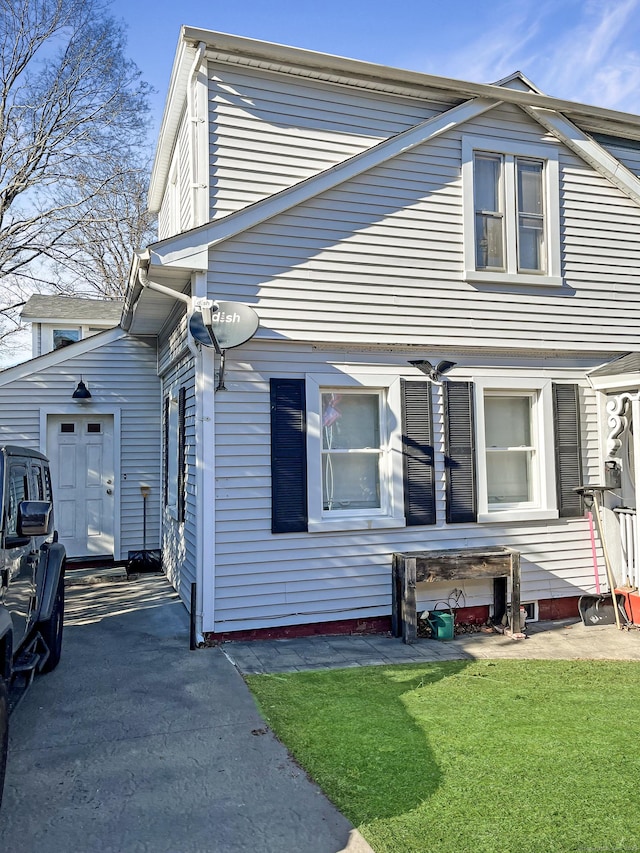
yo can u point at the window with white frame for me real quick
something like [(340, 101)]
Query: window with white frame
[(511, 212), (354, 453), (515, 451)]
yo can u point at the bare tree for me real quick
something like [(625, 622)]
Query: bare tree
[(73, 135)]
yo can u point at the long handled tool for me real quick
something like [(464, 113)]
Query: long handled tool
[(605, 553), (594, 553)]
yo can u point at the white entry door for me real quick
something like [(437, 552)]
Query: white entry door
[(80, 448)]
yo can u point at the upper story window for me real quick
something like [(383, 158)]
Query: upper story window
[(64, 337), (511, 212)]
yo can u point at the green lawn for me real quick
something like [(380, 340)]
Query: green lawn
[(467, 757)]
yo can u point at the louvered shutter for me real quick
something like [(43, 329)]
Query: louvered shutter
[(288, 456), (182, 439), (165, 455), (566, 422), (417, 453), (460, 462)]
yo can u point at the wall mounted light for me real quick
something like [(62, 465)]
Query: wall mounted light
[(81, 392)]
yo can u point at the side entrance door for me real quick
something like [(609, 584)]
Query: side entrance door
[(80, 449)]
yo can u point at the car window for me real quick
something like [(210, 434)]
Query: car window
[(38, 485), (18, 491)]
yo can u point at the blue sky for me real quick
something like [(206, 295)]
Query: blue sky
[(581, 50)]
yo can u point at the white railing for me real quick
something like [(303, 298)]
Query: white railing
[(630, 546)]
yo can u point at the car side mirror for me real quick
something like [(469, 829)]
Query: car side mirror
[(35, 518)]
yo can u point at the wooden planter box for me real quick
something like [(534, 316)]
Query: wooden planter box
[(413, 567)]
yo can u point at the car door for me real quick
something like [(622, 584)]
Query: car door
[(19, 564)]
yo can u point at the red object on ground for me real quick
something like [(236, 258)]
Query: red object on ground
[(631, 604)]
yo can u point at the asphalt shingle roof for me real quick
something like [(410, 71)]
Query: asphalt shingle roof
[(72, 308)]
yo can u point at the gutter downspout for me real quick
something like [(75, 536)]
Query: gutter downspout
[(204, 435), (195, 120)]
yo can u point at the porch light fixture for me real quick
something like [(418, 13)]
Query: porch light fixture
[(81, 392)]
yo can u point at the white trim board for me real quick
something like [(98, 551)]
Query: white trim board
[(52, 359), (588, 150), (190, 249)]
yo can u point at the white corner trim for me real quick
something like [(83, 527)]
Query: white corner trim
[(193, 244), (51, 359), (588, 150)]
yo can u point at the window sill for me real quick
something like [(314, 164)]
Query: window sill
[(498, 516), (346, 524), (482, 277)]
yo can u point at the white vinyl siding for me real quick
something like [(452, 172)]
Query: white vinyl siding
[(362, 262), (176, 212), (269, 131), (179, 538), (118, 371), (286, 579)]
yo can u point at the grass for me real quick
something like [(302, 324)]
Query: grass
[(467, 757)]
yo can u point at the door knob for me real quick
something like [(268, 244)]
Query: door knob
[(109, 491)]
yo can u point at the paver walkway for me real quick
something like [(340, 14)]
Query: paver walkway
[(569, 639)]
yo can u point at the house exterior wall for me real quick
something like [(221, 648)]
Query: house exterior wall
[(360, 263), (269, 131), (179, 538), (175, 213), (359, 280), (264, 579), (122, 377)]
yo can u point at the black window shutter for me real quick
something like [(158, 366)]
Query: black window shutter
[(566, 421), (460, 462), (288, 456), (417, 453), (165, 454), (182, 438)]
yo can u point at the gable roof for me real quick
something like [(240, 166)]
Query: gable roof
[(41, 308), (195, 45), (188, 249), (59, 356)]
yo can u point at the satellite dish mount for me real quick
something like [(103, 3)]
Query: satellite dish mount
[(222, 325)]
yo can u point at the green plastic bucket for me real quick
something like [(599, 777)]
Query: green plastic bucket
[(441, 624)]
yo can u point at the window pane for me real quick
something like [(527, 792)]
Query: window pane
[(531, 251), (64, 337), (509, 476), (487, 170), (350, 481), (488, 209), (531, 254), (350, 421), (489, 243), (530, 198), (507, 421)]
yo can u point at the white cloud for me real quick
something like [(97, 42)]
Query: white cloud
[(587, 52)]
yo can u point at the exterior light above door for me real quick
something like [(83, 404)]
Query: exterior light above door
[(81, 392)]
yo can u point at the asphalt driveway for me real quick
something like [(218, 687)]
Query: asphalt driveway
[(135, 744)]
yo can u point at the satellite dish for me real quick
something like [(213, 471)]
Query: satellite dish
[(233, 324)]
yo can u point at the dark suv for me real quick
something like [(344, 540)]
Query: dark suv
[(32, 564)]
